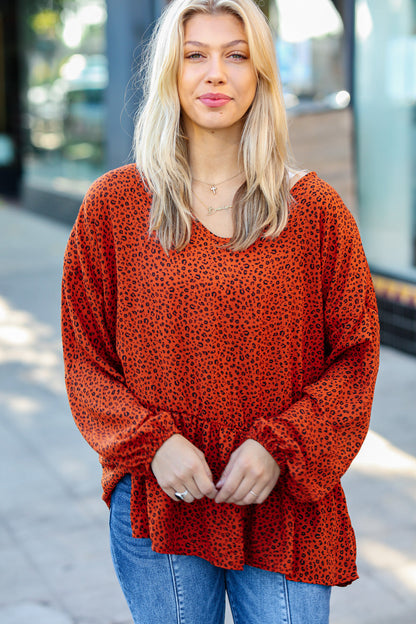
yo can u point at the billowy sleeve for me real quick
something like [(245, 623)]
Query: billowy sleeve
[(110, 417), (317, 437)]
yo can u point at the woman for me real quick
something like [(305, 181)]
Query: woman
[(221, 340)]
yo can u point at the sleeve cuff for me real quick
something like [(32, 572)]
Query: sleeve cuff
[(264, 433)]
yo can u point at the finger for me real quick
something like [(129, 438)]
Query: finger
[(206, 468), (226, 472), (246, 492), (253, 499), (204, 486), (263, 495), (230, 486), (205, 481), (198, 486), (200, 482), (187, 470), (194, 488), (187, 497)]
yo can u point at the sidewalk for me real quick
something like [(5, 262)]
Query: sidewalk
[(55, 566)]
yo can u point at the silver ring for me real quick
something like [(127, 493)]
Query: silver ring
[(254, 494), (181, 495)]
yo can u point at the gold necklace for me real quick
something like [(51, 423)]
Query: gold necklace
[(210, 209), (214, 187)]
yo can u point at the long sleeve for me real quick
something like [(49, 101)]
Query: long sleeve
[(317, 437), (123, 431)]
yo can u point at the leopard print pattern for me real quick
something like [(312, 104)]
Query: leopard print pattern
[(278, 343)]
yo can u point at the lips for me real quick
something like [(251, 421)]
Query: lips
[(214, 100)]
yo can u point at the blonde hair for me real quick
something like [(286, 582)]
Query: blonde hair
[(261, 204)]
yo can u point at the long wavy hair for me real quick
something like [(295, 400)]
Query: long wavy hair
[(261, 204)]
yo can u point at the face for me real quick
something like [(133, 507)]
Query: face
[(217, 82)]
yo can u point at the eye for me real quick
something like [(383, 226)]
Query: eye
[(239, 56), (194, 56)]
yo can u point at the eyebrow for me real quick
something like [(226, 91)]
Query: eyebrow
[(199, 44)]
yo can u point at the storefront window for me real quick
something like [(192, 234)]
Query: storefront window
[(64, 92), (310, 49), (386, 132)]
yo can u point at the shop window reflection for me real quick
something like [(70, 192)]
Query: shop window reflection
[(310, 48), (67, 78), (385, 111)]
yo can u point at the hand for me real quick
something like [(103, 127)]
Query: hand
[(249, 476), (178, 465)]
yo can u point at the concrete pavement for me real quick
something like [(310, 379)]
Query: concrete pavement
[(55, 566)]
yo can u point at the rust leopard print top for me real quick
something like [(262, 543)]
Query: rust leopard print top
[(278, 343)]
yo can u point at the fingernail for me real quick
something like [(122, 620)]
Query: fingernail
[(219, 484)]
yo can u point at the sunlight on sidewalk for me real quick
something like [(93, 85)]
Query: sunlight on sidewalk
[(26, 342), (379, 457)]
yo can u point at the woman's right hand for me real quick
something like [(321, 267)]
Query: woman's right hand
[(178, 465)]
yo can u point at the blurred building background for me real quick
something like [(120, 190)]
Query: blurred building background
[(69, 90)]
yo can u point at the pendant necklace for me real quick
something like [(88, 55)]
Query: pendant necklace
[(210, 209), (214, 187)]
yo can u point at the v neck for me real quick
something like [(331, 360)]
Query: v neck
[(225, 239)]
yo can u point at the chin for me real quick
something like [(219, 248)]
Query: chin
[(224, 125)]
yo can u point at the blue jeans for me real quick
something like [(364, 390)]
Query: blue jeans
[(182, 589)]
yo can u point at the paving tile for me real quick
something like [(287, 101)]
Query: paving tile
[(20, 578), (401, 580), (393, 551), (98, 605), (79, 559), (399, 618), (4, 535), (93, 506), (30, 242), (32, 612), (228, 614), (364, 601)]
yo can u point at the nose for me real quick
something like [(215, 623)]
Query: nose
[(216, 73)]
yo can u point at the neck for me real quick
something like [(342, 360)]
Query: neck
[(214, 155)]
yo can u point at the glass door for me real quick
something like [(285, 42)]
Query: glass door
[(385, 109)]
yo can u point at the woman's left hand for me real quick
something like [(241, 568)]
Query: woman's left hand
[(249, 476)]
